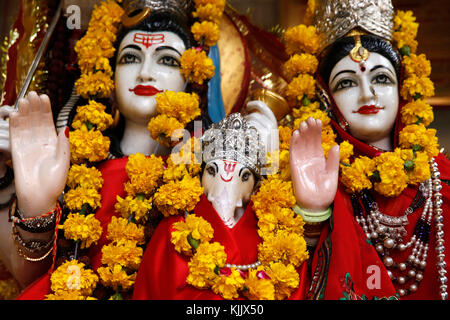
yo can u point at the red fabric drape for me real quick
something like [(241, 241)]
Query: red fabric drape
[(162, 273)]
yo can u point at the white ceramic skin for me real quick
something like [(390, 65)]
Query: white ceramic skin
[(353, 86), (228, 185), (153, 63)]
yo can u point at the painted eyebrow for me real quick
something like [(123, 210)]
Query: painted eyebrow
[(132, 46), (381, 66), (167, 48), (343, 71)]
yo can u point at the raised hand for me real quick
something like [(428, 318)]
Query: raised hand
[(314, 177), (40, 157)]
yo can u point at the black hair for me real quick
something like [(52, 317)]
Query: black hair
[(153, 23), (342, 48)]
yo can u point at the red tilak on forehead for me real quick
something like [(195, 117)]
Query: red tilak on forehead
[(148, 39)]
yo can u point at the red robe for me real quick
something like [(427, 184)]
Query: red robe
[(114, 176), (163, 271), (345, 263)]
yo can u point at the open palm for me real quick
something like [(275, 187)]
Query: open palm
[(314, 177), (40, 157)]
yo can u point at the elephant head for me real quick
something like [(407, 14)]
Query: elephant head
[(234, 152)]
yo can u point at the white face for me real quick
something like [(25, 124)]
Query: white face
[(367, 96), (147, 63), (228, 185)]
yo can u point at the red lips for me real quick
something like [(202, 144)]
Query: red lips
[(141, 90), (369, 109)]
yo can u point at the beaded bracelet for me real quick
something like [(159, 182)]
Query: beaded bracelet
[(43, 223), (28, 248)]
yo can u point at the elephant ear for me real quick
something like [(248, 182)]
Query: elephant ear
[(260, 116)]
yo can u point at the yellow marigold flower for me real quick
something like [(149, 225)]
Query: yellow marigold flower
[(188, 157), (86, 229), (178, 196), (356, 177), (120, 229), (123, 252), (392, 174), (75, 198), (71, 276), (88, 145), (93, 112), (82, 176), (406, 39), (316, 114), (405, 30), (9, 289), (131, 205), (345, 151), (301, 63), (65, 295), (279, 219), (417, 65), (195, 228), (94, 50), (301, 39), (285, 134), (196, 66), (273, 193), (174, 172), (116, 277), (202, 265), (299, 112), (180, 105), (284, 165), (206, 32), (228, 286), (208, 12), (98, 84), (258, 288), (144, 173), (308, 18), (303, 85), (420, 170), (284, 246), (416, 135), (414, 85), (107, 13), (218, 3), (328, 139), (417, 112), (163, 129), (285, 279)]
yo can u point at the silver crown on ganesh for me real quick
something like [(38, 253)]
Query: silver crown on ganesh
[(233, 138), (336, 18), (138, 10)]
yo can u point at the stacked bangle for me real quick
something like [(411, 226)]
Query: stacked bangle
[(31, 250), (314, 222)]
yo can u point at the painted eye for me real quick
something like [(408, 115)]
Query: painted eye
[(382, 79), (169, 61), (246, 176), (211, 171), (129, 58), (346, 83)]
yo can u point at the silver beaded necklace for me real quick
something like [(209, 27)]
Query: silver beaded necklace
[(386, 233)]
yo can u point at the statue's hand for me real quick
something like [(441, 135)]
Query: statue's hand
[(314, 177), (40, 157)]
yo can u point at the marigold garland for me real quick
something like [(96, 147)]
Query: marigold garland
[(391, 172), (282, 250)]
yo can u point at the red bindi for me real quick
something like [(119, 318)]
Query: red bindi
[(363, 68), (148, 40)]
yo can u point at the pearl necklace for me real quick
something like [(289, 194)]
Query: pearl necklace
[(387, 233)]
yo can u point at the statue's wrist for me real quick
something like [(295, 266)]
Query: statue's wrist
[(314, 220)]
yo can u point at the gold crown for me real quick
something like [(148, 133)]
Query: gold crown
[(335, 19), (138, 10)]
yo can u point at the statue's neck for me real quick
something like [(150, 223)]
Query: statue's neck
[(383, 144), (136, 138)]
